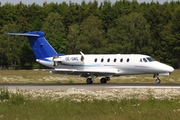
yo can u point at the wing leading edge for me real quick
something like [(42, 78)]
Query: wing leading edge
[(83, 73)]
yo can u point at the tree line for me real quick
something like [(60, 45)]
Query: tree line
[(124, 27)]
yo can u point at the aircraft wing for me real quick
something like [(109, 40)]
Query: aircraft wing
[(83, 73)]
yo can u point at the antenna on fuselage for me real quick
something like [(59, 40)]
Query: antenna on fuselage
[(82, 56)]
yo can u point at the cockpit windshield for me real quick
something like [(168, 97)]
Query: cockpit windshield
[(150, 59), (147, 59), (144, 59)]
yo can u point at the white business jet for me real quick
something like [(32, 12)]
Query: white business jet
[(93, 65)]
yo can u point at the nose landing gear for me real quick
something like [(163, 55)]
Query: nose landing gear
[(158, 80)]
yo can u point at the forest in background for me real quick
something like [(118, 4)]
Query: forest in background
[(124, 27)]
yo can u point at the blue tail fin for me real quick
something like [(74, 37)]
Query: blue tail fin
[(39, 44)]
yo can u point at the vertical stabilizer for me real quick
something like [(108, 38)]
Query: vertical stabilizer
[(40, 46)]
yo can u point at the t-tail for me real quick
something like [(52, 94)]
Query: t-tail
[(43, 51)]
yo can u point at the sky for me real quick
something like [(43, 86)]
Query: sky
[(40, 2)]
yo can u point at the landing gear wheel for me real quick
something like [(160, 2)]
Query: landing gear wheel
[(158, 81), (103, 80), (89, 81)]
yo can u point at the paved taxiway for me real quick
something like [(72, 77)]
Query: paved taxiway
[(87, 86)]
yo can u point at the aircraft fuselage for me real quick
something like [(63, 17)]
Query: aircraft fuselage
[(117, 64)]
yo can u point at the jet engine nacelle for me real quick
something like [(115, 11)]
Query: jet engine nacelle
[(69, 60)]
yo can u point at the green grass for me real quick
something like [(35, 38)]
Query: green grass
[(39, 76), (97, 110), (15, 106)]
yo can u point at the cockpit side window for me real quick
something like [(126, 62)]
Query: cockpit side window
[(144, 59), (150, 59), (141, 60)]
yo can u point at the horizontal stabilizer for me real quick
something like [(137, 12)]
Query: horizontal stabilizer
[(23, 34)]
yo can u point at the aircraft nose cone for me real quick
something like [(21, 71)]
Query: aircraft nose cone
[(170, 69), (166, 68)]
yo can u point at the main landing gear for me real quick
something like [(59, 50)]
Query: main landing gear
[(102, 80), (158, 80), (89, 81)]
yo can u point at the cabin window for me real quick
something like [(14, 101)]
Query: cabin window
[(144, 59), (121, 60), (102, 60), (114, 59), (128, 60), (95, 60), (108, 60)]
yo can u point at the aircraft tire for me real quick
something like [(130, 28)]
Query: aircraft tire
[(103, 80), (158, 81), (89, 81)]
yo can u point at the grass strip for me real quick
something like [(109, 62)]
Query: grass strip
[(43, 76), (17, 106)]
